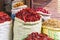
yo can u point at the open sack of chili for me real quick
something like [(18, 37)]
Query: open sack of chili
[(28, 15), (42, 11), (45, 13), (37, 36), (4, 17), (5, 26), (26, 21)]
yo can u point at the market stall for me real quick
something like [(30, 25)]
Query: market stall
[(25, 26), (30, 20)]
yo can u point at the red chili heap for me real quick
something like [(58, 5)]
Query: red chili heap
[(4, 17), (42, 10), (28, 15), (36, 36)]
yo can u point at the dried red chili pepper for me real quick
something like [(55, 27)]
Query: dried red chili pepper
[(28, 15), (37, 36), (4, 17), (42, 10)]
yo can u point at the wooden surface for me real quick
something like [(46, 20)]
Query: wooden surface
[(58, 6), (53, 9)]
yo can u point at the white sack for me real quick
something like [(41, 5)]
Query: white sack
[(21, 29), (6, 31)]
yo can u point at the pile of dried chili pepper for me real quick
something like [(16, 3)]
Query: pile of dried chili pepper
[(4, 17), (37, 36), (42, 10), (28, 15)]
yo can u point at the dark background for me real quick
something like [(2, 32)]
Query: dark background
[(5, 5)]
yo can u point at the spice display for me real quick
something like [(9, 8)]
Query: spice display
[(29, 20), (45, 14), (37, 36), (51, 27), (25, 21), (28, 15), (18, 4), (5, 26), (4, 17), (52, 23), (42, 10)]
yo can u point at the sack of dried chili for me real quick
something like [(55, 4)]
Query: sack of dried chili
[(4, 17), (5, 27), (45, 14), (26, 21), (37, 36), (28, 15)]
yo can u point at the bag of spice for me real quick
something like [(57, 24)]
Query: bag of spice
[(51, 27), (17, 6), (45, 13), (38, 36), (5, 27), (26, 22)]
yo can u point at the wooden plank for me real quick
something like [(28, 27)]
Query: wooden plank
[(58, 6), (28, 3)]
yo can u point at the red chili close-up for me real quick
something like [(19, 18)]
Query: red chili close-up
[(37, 36), (4, 17), (42, 10), (28, 15)]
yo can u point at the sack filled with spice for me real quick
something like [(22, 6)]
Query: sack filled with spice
[(51, 27), (5, 27), (38, 36), (45, 13), (17, 6), (26, 22)]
